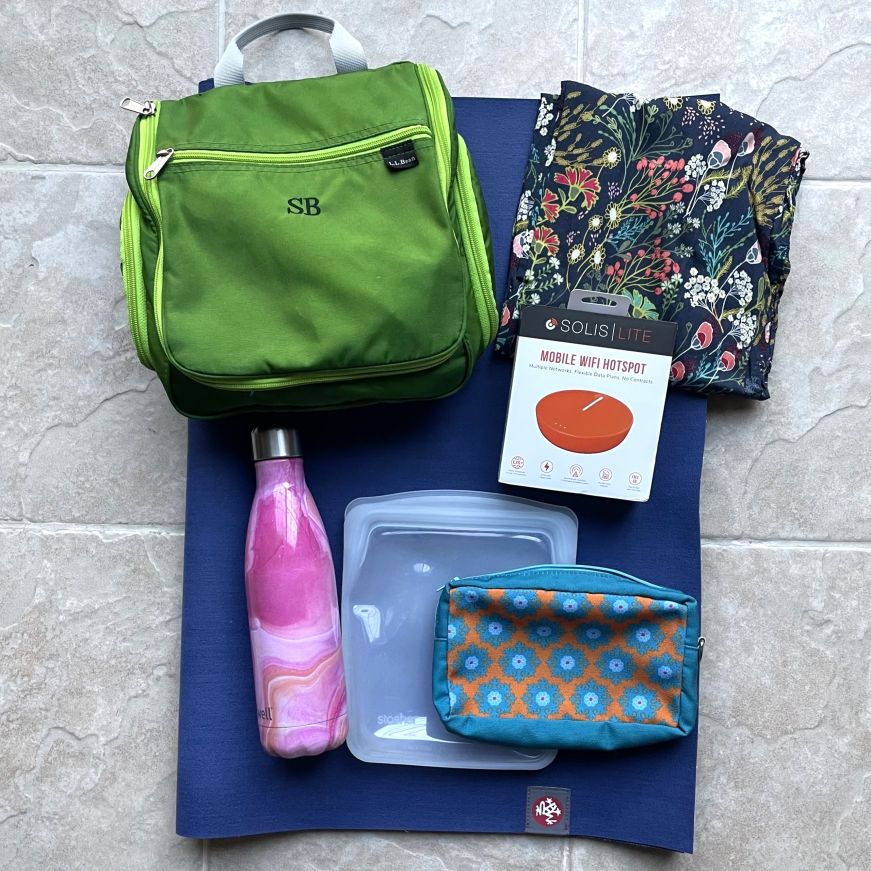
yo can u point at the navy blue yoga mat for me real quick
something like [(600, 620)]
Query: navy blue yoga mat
[(228, 786)]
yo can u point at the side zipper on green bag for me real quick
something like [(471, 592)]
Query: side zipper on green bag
[(148, 171), (134, 283), (434, 97), (131, 252), (473, 241), (470, 222)]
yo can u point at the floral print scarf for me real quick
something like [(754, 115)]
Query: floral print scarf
[(679, 203)]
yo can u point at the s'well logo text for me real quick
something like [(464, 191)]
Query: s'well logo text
[(303, 206)]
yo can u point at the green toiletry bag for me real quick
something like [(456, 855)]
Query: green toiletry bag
[(306, 244)]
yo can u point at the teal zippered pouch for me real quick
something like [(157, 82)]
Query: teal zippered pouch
[(568, 657)]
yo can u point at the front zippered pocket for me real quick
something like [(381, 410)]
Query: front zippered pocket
[(268, 158), (257, 258)]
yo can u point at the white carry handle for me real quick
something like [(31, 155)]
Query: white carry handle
[(347, 52)]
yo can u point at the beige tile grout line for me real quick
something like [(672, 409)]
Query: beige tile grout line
[(785, 543), (25, 166), (121, 529), (580, 54), (118, 169), (52, 527), (222, 29)]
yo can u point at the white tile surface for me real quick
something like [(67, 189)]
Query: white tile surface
[(800, 65)]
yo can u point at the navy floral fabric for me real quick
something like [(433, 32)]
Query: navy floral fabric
[(681, 204)]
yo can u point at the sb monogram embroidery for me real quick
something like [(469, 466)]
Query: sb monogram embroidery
[(303, 206)]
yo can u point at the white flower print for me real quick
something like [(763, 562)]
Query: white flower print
[(635, 102), (672, 228), (545, 116), (522, 244), (554, 262), (743, 328), (597, 258), (696, 166), (534, 298), (702, 290), (549, 152), (741, 285), (714, 194), (612, 157), (673, 282), (524, 206)]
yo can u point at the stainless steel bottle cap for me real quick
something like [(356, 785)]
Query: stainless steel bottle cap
[(273, 442)]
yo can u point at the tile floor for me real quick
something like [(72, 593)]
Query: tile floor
[(92, 471)]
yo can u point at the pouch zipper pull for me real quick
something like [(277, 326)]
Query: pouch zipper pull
[(701, 647), (146, 108), (160, 161)]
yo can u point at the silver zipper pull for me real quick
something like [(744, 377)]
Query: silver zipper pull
[(162, 159), (146, 108)]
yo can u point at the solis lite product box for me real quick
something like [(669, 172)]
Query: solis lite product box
[(586, 402)]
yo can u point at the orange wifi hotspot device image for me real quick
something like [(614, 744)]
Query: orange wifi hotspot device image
[(583, 421)]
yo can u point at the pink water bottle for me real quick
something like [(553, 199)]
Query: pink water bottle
[(293, 615)]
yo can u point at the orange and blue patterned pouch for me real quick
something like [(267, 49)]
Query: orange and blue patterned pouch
[(566, 656)]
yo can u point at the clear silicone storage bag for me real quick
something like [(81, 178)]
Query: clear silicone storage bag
[(400, 550)]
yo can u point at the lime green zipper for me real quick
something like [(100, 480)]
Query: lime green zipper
[(352, 374), (470, 222), (131, 251), (434, 96), (473, 242), (299, 158), (134, 284)]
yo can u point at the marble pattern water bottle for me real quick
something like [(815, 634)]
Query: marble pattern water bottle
[(293, 614)]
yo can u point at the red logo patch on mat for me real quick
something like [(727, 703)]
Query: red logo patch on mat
[(547, 810)]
